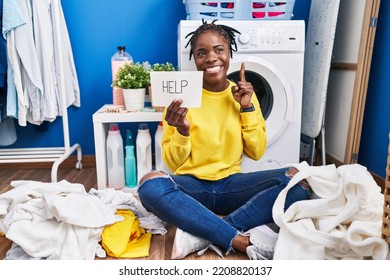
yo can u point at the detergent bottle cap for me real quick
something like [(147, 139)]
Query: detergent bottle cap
[(129, 138), (114, 127), (143, 126)]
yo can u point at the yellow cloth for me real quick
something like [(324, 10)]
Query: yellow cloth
[(126, 239), (2, 234), (219, 135)]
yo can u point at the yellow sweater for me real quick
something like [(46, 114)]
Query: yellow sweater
[(219, 135)]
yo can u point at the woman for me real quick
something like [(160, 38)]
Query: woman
[(208, 198)]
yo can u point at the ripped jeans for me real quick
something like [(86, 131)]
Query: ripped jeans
[(244, 199)]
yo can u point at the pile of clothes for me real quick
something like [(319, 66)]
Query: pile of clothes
[(61, 220), (342, 221)]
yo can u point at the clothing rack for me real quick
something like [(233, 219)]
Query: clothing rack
[(57, 155)]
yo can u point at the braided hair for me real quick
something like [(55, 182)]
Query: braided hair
[(226, 31)]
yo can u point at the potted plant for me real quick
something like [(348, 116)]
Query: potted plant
[(167, 66), (133, 78)]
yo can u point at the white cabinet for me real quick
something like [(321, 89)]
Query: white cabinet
[(101, 121)]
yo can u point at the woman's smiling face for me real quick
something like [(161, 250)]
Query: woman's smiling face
[(212, 56)]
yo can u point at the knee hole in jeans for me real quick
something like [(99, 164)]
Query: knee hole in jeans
[(291, 172), (151, 175)]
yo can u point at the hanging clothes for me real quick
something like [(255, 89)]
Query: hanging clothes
[(3, 52), (8, 134), (44, 45), (41, 59), (71, 88), (7, 127), (24, 62)]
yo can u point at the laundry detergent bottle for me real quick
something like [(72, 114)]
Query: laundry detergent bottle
[(115, 158), (129, 138), (120, 58), (144, 151), (160, 165), (130, 167)]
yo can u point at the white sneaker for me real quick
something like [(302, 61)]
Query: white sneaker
[(263, 241), (185, 244)]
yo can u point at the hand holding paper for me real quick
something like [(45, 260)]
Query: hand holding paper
[(168, 86), (176, 116)]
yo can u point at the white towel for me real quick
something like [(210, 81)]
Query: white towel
[(343, 221)]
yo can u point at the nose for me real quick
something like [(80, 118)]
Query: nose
[(211, 57)]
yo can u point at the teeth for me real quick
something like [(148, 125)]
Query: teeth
[(213, 69)]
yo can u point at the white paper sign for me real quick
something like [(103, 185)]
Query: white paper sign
[(170, 85)]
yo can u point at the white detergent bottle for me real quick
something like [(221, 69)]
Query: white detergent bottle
[(160, 164), (115, 158), (144, 151), (117, 61)]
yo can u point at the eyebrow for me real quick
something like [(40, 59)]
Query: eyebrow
[(216, 46)]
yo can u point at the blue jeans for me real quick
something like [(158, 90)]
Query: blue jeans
[(244, 199)]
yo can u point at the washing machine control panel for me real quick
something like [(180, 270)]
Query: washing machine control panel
[(256, 36), (258, 39), (252, 38), (244, 38)]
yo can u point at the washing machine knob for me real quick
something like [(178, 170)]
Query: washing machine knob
[(244, 38)]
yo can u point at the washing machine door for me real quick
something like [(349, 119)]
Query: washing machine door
[(272, 90)]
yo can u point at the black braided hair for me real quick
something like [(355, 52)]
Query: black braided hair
[(226, 31)]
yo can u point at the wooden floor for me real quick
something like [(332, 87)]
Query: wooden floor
[(161, 246)]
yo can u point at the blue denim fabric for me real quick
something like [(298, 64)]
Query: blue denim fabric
[(244, 199)]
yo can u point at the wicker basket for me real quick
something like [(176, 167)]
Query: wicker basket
[(387, 182), (386, 205)]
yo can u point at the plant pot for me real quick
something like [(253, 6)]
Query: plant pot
[(134, 99)]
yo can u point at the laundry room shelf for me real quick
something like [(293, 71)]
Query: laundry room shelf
[(101, 121)]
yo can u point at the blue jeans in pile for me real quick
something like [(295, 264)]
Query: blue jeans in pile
[(245, 200)]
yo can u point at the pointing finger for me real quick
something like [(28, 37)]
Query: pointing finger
[(242, 72)]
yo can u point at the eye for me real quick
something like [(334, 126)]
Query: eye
[(219, 50), (200, 53)]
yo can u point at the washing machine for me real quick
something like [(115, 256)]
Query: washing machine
[(273, 53)]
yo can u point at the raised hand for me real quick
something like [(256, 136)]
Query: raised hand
[(242, 72), (242, 93)]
